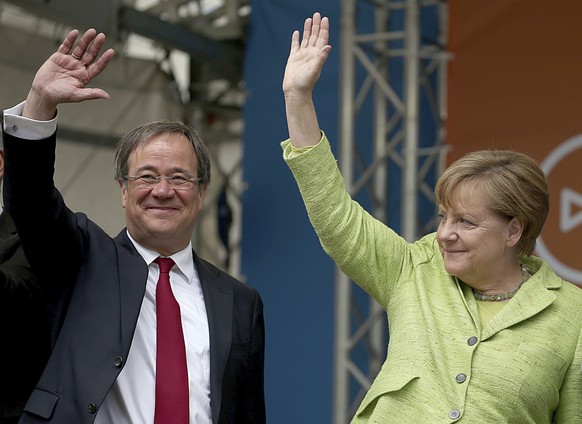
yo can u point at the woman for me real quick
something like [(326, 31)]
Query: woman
[(480, 330)]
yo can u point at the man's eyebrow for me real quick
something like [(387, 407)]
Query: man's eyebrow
[(150, 167)]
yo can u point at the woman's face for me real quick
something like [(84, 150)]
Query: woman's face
[(476, 244)]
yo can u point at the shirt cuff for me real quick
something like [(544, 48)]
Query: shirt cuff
[(30, 129)]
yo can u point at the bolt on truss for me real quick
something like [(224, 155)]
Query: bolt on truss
[(393, 87)]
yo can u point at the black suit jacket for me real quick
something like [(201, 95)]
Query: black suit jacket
[(25, 343), (96, 288)]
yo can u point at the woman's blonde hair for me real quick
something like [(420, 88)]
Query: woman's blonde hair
[(513, 183)]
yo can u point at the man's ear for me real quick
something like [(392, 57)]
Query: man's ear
[(202, 194), (123, 189)]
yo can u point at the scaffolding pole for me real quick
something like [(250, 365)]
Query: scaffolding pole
[(366, 72)]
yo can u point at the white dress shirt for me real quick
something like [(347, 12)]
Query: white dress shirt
[(131, 399)]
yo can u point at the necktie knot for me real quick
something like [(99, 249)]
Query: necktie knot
[(165, 264)]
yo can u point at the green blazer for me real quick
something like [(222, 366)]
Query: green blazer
[(442, 366)]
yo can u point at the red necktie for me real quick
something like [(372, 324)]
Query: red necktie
[(171, 369)]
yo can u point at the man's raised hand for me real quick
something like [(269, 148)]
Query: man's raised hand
[(64, 77)]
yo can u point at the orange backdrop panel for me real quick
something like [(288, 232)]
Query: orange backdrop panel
[(515, 82)]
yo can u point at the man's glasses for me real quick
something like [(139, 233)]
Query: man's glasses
[(176, 181)]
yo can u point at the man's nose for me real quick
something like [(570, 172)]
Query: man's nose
[(163, 189)]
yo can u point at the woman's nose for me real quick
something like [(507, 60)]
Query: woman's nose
[(446, 231)]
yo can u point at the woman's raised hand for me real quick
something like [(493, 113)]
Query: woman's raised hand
[(307, 57)]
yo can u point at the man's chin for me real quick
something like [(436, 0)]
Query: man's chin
[(162, 214), (160, 227)]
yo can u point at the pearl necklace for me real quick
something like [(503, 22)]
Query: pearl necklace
[(503, 296)]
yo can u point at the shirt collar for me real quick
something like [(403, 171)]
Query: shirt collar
[(183, 259)]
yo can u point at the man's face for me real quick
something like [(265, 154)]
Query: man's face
[(162, 217)]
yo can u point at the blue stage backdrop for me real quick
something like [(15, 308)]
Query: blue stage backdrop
[(281, 256)]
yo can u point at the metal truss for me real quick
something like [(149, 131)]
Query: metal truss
[(392, 83)]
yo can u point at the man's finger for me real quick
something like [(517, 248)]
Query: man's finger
[(100, 64), (68, 42), (95, 47), (82, 45)]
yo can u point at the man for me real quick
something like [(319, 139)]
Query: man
[(113, 359), (25, 342)]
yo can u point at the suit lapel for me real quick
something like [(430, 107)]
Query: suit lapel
[(532, 298), (218, 298), (133, 275)]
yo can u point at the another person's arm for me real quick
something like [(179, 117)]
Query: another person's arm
[(17, 282)]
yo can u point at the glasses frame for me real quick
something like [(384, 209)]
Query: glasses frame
[(188, 178)]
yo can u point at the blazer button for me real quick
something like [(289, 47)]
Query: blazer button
[(92, 408), (472, 341), (454, 414), (460, 378), (118, 361)]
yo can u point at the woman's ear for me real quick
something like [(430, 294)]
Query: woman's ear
[(514, 231)]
